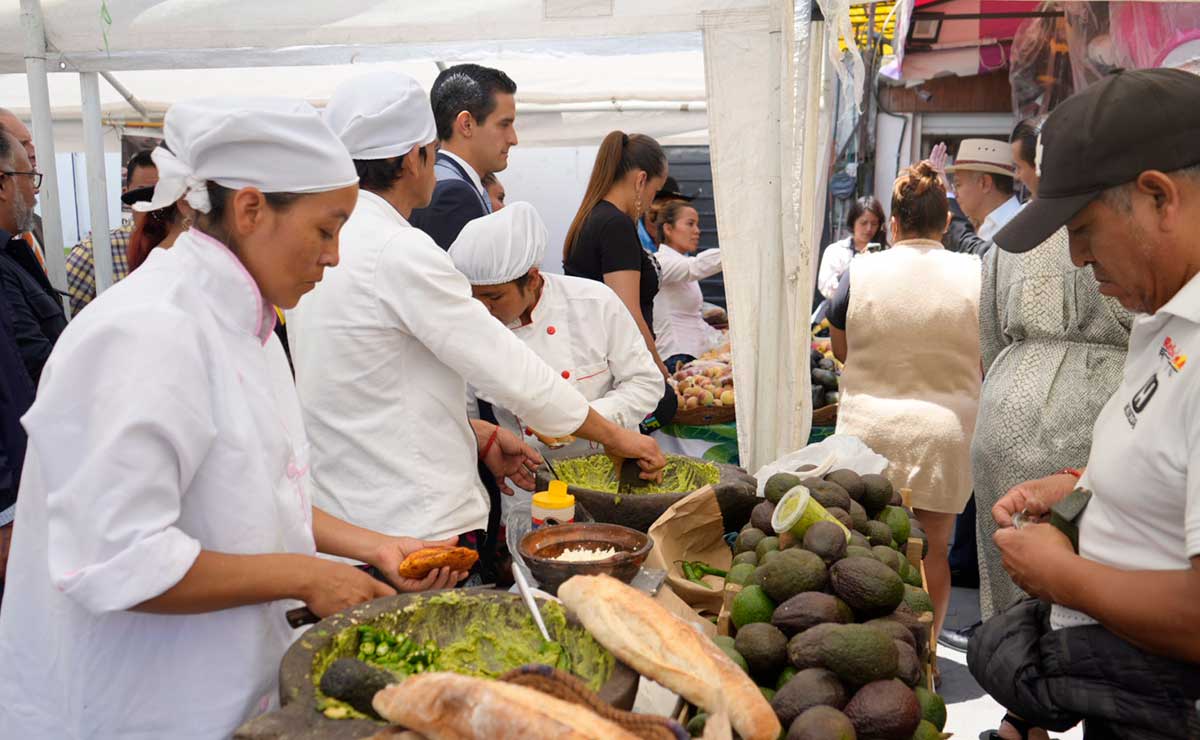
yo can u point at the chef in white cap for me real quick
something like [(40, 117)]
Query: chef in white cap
[(385, 347), (165, 526), (578, 327)]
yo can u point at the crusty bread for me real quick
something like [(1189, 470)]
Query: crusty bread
[(661, 646), (447, 706), (419, 563)]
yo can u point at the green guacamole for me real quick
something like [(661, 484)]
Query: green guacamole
[(596, 472), (477, 636)]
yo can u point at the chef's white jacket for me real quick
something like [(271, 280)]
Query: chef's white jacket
[(585, 333), (679, 326), (165, 423), (383, 350)]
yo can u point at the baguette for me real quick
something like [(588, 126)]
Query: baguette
[(447, 706), (663, 647)]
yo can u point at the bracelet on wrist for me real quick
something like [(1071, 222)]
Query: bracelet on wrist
[(487, 447)]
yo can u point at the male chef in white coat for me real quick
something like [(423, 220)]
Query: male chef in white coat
[(386, 344)]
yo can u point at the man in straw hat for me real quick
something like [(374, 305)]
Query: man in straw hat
[(982, 176), (1109, 637)]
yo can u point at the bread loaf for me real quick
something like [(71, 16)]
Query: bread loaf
[(661, 646), (447, 706)]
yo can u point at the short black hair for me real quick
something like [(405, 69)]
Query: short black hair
[(139, 159), (466, 87), (379, 175), (1027, 133)]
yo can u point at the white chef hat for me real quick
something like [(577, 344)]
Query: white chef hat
[(277, 145), (502, 246), (381, 114)]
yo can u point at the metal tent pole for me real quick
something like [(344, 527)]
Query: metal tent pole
[(34, 27), (93, 146)]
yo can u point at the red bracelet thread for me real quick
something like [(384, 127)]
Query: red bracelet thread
[(491, 441), (1071, 471)]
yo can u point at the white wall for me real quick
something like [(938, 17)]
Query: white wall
[(553, 180), (73, 192), (887, 139)]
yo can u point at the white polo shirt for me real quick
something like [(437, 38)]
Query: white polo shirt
[(1144, 468)]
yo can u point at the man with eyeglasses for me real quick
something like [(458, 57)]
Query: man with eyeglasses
[(37, 312)]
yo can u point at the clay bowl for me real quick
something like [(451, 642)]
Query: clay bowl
[(737, 494), (298, 718), (541, 546)]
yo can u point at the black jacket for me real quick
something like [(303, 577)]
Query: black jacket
[(16, 396), (455, 202), (37, 311), (961, 236)]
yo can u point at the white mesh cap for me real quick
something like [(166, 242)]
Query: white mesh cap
[(381, 114)]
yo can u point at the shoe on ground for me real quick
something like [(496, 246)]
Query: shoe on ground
[(957, 639)]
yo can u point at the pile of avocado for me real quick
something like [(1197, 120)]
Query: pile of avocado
[(828, 625), (824, 379)]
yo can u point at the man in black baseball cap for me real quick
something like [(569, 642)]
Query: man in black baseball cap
[(1119, 163), (1109, 637)]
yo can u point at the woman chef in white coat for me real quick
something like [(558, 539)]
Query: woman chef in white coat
[(164, 527), (579, 327)]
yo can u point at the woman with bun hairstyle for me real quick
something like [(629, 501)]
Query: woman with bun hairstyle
[(906, 323)]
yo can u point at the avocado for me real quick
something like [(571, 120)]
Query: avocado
[(766, 545), (808, 609), (877, 493), (832, 397), (695, 727), (747, 540), (878, 533), (926, 731), (908, 667), (850, 481), (726, 644), (784, 676), (858, 515), (884, 710), (765, 649), (809, 688), (767, 692), (894, 629), (750, 557), (897, 520), (911, 575), (888, 557), (793, 572), (917, 599), (760, 516), (751, 605), (859, 654), (825, 364), (804, 650), (740, 574), (826, 378), (857, 551), (779, 484), (933, 707), (759, 576), (897, 499), (859, 539), (842, 516), (871, 588), (356, 683), (822, 723), (768, 556), (919, 625), (830, 495), (826, 540)]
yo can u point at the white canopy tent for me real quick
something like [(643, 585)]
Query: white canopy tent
[(767, 95)]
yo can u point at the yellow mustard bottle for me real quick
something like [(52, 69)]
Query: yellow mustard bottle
[(554, 506)]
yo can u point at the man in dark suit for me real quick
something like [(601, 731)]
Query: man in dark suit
[(37, 310), (474, 108)]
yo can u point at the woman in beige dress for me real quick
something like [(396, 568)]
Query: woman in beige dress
[(906, 323)]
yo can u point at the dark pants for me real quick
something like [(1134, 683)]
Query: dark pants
[(1056, 678), (964, 555)]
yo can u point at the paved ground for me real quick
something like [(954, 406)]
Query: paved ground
[(969, 710)]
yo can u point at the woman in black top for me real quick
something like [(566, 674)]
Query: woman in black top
[(602, 243)]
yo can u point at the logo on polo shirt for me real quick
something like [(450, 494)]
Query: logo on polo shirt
[(1141, 400), (1173, 355)]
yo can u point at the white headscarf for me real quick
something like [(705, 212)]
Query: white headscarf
[(277, 145), (502, 246), (381, 114)]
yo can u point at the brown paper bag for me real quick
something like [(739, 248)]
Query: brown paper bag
[(692, 529)]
